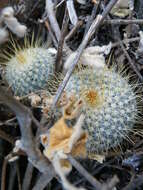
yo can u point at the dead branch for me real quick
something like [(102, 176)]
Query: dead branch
[(91, 179), (72, 12), (74, 29), (51, 33), (42, 182), (12, 176), (4, 168), (130, 61), (52, 19), (126, 41), (27, 176), (137, 182), (24, 117), (3, 179), (123, 22), (18, 177), (83, 172), (5, 136), (58, 62)]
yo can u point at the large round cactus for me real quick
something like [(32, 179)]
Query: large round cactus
[(30, 69), (109, 105)]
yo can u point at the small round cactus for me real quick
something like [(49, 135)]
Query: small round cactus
[(109, 104), (30, 69)]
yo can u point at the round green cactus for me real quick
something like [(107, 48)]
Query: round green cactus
[(109, 104), (30, 69)]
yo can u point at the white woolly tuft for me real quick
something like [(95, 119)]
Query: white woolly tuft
[(15, 26), (52, 51), (7, 17), (92, 56), (7, 12)]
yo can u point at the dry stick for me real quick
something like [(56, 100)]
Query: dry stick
[(33, 8), (52, 18), (72, 12), (27, 177), (18, 177), (3, 178), (131, 7), (131, 180), (42, 182), (91, 179), (130, 61), (111, 184), (83, 172), (137, 182), (58, 62), (74, 29), (54, 23), (5, 136), (51, 34), (5, 162), (93, 28), (92, 17), (8, 122), (126, 41), (123, 22), (59, 4), (24, 117), (12, 176)]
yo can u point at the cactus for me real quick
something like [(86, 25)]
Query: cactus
[(30, 69), (109, 104)]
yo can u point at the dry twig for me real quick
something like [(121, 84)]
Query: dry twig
[(5, 136), (123, 21), (130, 61), (72, 12), (27, 176), (91, 179), (43, 180), (52, 19)]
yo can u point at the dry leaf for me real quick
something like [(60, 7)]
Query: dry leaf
[(59, 136)]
